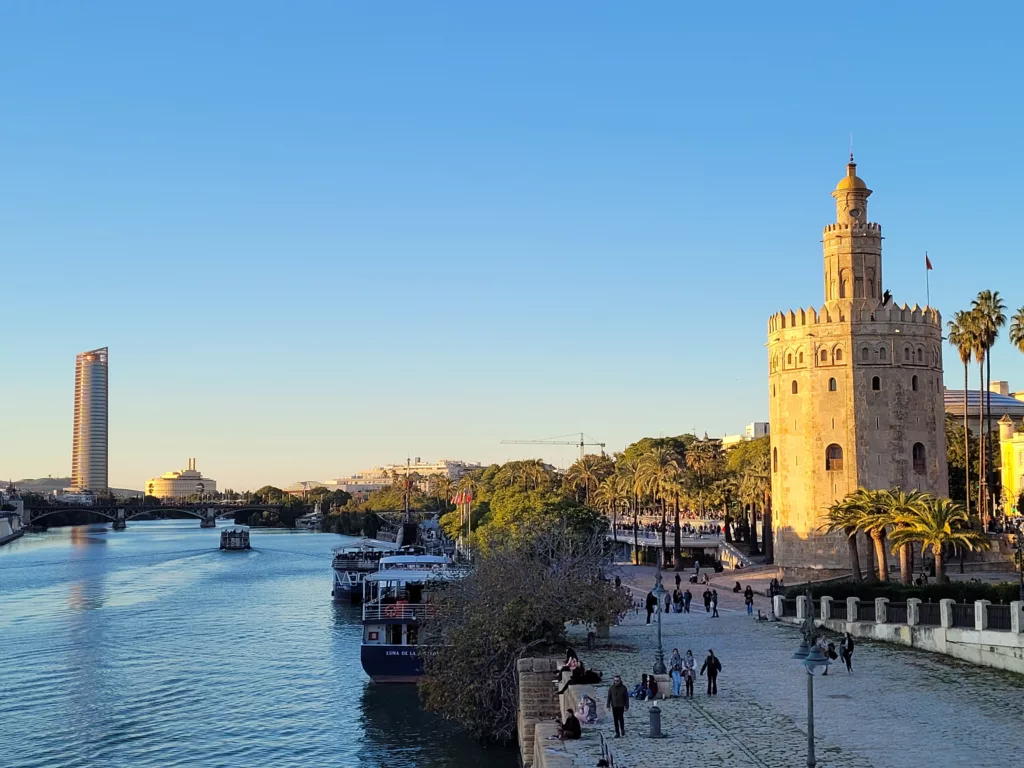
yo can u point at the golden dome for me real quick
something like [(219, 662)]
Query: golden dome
[(851, 180)]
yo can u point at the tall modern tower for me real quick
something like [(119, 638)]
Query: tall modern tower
[(89, 446)]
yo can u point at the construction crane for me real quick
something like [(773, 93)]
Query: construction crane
[(582, 442)]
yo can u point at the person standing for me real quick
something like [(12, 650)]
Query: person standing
[(689, 671), (846, 651), (652, 603), (712, 666), (714, 603), (707, 601), (678, 580), (675, 666), (618, 703), (618, 582), (696, 568), (687, 597), (748, 598)]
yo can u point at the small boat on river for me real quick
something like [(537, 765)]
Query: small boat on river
[(396, 599), (353, 562), (233, 539)]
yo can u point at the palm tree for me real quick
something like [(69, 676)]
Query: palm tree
[(939, 523), (441, 486), (991, 314), (629, 471), (843, 516), (961, 332), (610, 495), (659, 473), (1017, 329), (898, 507), (870, 517), (587, 472)]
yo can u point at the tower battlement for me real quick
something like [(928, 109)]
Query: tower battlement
[(866, 227), (898, 313)]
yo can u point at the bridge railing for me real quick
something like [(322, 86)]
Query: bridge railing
[(408, 611)]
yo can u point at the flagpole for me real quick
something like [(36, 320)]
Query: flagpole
[(927, 282)]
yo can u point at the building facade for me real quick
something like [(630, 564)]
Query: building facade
[(181, 483), (89, 441), (855, 391), (1011, 469)]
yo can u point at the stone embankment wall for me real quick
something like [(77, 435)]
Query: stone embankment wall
[(978, 644), (538, 702)]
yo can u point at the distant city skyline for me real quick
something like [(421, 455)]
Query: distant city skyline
[(319, 241)]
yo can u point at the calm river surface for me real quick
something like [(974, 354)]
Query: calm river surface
[(150, 647)]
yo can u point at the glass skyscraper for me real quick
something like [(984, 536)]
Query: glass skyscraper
[(89, 447)]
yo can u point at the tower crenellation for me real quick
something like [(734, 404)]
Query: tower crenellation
[(855, 390)]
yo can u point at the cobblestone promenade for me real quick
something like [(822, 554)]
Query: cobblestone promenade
[(899, 709)]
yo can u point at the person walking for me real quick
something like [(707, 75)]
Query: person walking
[(712, 666), (689, 671), (707, 601), (687, 597), (618, 703), (679, 580), (846, 652), (618, 582), (675, 667), (652, 603), (696, 568), (822, 643), (748, 598), (714, 603)]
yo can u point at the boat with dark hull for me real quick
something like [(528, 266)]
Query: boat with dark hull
[(396, 600), (353, 562)]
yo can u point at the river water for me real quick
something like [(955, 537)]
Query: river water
[(150, 647)]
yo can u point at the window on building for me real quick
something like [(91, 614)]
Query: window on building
[(789, 359), (913, 383), (906, 354), (920, 355), (876, 384), (824, 355), (794, 386), (865, 354), (773, 390), (775, 459), (800, 358), (882, 354), (831, 385), (839, 355), (919, 458), (833, 458)]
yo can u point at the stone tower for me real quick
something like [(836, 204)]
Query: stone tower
[(855, 391)]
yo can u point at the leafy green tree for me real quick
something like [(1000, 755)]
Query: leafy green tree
[(586, 474)]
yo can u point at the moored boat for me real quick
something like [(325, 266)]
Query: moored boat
[(353, 562), (234, 539)]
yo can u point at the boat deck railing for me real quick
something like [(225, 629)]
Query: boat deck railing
[(383, 611), (355, 564)]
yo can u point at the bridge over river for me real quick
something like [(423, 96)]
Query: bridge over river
[(207, 513)]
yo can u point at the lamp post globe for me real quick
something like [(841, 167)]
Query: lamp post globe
[(812, 659)]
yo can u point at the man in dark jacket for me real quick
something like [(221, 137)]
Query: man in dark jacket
[(570, 729), (712, 666), (618, 703), (652, 605)]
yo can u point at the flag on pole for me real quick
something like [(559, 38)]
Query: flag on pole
[(927, 261)]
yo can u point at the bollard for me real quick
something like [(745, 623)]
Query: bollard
[(656, 723), (591, 641)]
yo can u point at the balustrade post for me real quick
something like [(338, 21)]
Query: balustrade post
[(881, 610), (777, 606), (981, 614), (826, 608), (803, 607), (852, 608), (1017, 617), (946, 613), (913, 611)]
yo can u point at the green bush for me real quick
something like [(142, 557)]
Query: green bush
[(961, 592)]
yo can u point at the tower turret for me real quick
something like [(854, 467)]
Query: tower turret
[(853, 245)]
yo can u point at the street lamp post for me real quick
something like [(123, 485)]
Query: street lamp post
[(659, 659), (1019, 546), (812, 658)]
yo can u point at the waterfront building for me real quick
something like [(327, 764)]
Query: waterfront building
[(1003, 402), (753, 431), (89, 442), (180, 483), (1011, 454), (855, 391), (368, 480)]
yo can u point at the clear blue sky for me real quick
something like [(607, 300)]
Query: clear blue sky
[(322, 235)]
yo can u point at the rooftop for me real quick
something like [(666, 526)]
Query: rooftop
[(1001, 404)]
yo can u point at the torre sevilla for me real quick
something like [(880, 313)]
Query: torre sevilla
[(855, 391)]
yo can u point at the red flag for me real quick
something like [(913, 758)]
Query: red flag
[(927, 262)]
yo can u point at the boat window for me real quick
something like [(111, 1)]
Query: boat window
[(394, 634), (412, 635)]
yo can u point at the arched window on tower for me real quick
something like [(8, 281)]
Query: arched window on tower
[(920, 355), (883, 354), (794, 386), (789, 358), (920, 464), (833, 458), (913, 383), (831, 385), (824, 355), (865, 354), (800, 357), (876, 384), (775, 459), (906, 354), (838, 356)]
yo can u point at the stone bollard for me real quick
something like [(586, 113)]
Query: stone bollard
[(803, 607), (656, 723), (852, 608), (881, 610), (981, 614), (946, 612), (826, 608), (777, 606), (1017, 617), (913, 611)]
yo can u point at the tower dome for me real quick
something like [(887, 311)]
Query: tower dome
[(851, 180)]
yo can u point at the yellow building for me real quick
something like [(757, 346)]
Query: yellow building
[(180, 483), (1011, 452)]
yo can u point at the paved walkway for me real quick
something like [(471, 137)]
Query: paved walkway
[(900, 708)]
